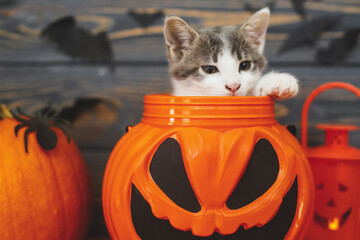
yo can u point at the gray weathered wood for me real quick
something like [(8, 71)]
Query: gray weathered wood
[(20, 41), (33, 71), (32, 88)]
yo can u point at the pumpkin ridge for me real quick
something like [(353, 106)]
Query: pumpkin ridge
[(43, 176), (23, 159), (60, 194), (40, 201), (69, 163), (44, 163), (80, 189), (25, 155), (10, 222)]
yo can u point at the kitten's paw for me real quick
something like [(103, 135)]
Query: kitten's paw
[(277, 85)]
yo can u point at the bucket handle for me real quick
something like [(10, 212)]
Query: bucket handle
[(315, 93)]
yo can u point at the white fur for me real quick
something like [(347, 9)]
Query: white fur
[(215, 84), (179, 36), (177, 31), (277, 85), (255, 28)]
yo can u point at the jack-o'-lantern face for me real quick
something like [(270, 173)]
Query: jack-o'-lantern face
[(334, 184), (205, 183), (208, 168), (191, 183)]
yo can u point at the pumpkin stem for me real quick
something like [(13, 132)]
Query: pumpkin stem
[(5, 112)]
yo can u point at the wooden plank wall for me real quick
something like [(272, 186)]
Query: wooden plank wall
[(34, 72)]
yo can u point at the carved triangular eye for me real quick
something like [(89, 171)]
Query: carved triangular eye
[(320, 186), (168, 171), (260, 174), (343, 187)]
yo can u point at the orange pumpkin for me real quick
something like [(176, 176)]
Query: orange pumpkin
[(216, 167), (44, 194)]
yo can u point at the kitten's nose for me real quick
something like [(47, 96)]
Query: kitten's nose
[(233, 88)]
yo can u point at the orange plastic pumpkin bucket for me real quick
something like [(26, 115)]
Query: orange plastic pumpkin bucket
[(215, 167), (336, 170)]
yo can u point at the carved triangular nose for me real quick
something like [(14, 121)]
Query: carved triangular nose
[(212, 163), (331, 203), (233, 87)]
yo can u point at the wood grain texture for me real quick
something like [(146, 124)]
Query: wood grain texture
[(33, 71), (32, 87), (20, 41)]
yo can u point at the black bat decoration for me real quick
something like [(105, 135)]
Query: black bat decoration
[(77, 42), (146, 19), (80, 106), (7, 3), (338, 49), (299, 8), (308, 32), (250, 7)]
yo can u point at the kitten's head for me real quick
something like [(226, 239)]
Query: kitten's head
[(217, 61)]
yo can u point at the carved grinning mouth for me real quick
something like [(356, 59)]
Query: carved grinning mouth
[(149, 227), (332, 224)]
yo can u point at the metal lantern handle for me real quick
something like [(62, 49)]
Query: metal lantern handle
[(312, 96)]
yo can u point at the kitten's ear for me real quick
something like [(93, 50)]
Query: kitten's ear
[(255, 28), (179, 37)]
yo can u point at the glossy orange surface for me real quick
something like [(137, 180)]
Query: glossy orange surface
[(212, 132), (310, 99), (336, 170)]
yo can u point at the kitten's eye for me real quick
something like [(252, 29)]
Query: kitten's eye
[(209, 69), (245, 65)]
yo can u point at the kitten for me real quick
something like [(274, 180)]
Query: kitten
[(223, 60)]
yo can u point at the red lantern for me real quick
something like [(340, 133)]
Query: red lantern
[(336, 170), (216, 167)]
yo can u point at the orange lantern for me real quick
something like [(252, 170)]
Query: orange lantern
[(336, 170), (216, 167)]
